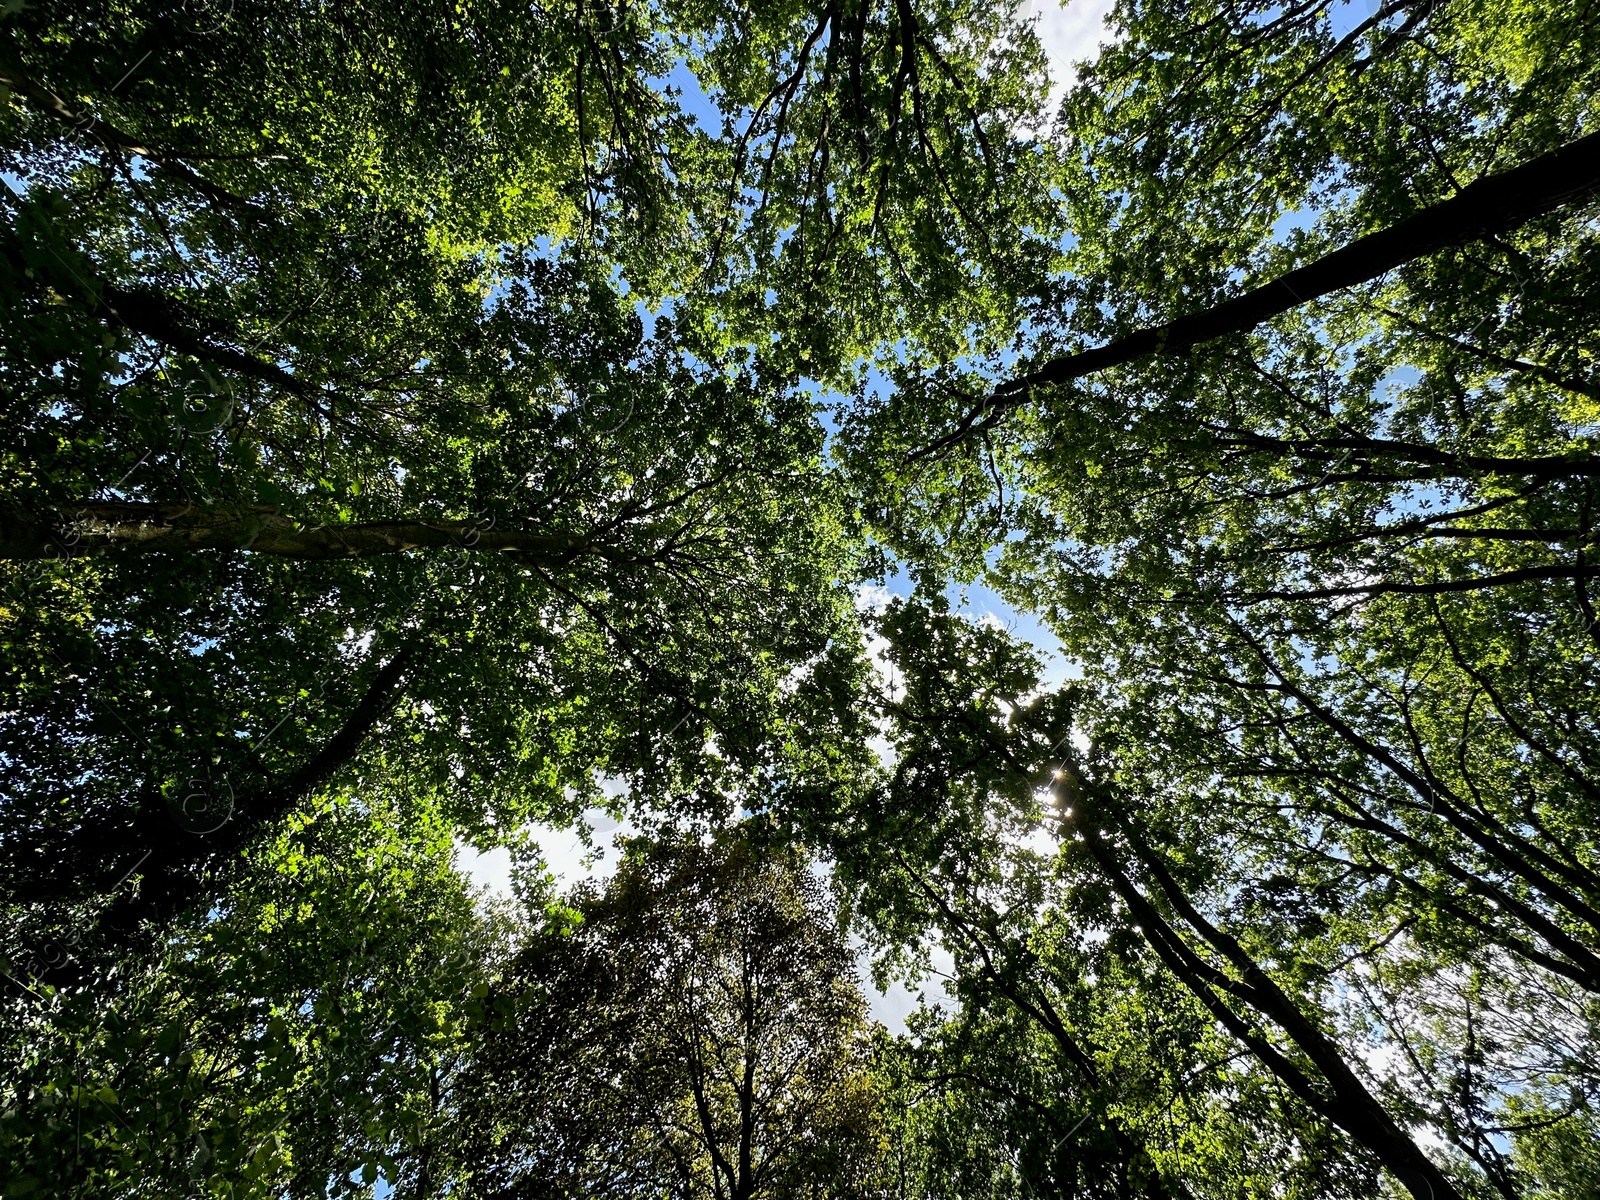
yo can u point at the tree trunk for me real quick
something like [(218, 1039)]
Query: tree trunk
[(98, 526), (182, 851), (1489, 206), (1347, 1102)]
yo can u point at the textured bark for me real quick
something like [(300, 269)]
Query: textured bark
[(132, 527), (178, 857), (142, 311)]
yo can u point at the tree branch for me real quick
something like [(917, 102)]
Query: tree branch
[(117, 140), (135, 527), (1494, 204)]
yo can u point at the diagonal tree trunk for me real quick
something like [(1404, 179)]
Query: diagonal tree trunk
[(1489, 206), (99, 526), (1131, 1152), (1338, 1094), (178, 853)]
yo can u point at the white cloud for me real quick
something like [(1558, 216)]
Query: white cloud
[(874, 597), (572, 862), (563, 850), (1071, 32), (489, 870), (898, 1001)]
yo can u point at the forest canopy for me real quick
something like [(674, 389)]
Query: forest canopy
[(1109, 543)]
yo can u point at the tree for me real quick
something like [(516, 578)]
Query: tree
[(1163, 885), (332, 410), (430, 416), (684, 580), (1327, 577), (421, 403), (1067, 1020), (298, 1040), (887, 193), (696, 1031)]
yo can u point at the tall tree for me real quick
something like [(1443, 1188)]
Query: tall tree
[(1051, 956), (1327, 571), (698, 1032), (217, 689), (297, 1040), (326, 327), (423, 403)]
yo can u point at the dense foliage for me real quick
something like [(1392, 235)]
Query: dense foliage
[(697, 1032), (425, 425)]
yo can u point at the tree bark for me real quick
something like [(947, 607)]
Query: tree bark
[(176, 876), (1487, 207), (1131, 1153), (176, 870), (1451, 465), (132, 527)]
